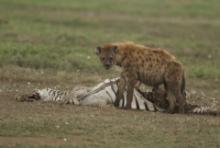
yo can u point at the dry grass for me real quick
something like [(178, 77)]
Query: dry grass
[(40, 124), (49, 124)]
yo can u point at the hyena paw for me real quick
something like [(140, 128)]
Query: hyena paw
[(116, 103), (127, 107)]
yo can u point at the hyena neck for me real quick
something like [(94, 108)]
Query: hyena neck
[(120, 58)]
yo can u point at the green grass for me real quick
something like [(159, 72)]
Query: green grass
[(52, 43), (63, 34)]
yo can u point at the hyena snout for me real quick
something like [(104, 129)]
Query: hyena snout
[(107, 66)]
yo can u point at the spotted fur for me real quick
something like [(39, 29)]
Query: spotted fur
[(147, 65)]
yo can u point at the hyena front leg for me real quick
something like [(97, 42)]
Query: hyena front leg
[(130, 92), (120, 91), (131, 83)]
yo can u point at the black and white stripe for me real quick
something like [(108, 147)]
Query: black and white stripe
[(105, 93), (102, 94)]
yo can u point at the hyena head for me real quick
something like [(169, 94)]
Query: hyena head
[(107, 55)]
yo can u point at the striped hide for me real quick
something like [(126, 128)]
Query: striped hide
[(105, 93)]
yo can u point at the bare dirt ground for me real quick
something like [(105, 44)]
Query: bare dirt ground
[(41, 124)]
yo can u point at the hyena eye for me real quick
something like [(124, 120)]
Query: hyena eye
[(110, 58), (103, 58)]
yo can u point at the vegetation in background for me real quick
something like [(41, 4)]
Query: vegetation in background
[(62, 35)]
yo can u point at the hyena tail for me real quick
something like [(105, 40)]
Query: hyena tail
[(183, 86), (202, 110)]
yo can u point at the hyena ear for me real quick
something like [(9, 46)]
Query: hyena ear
[(115, 48), (98, 50)]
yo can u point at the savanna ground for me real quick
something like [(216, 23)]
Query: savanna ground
[(51, 43)]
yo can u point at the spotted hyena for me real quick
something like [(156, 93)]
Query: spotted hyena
[(148, 65)]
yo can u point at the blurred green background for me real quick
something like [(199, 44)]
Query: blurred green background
[(63, 34)]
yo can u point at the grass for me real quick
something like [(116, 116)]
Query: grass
[(108, 127), (63, 35), (51, 43)]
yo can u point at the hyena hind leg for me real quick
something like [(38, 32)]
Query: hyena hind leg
[(175, 98), (172, 102), (175, 86), (181, 101)]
